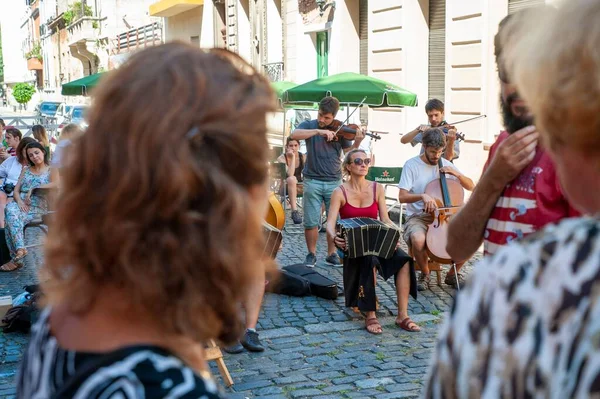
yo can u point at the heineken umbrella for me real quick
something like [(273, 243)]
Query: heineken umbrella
[(352, 88), (81, 87), (280, 88)]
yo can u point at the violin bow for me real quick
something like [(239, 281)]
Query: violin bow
[(467, 120), (351, 113)]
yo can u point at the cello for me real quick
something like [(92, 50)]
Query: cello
[(449, 197)]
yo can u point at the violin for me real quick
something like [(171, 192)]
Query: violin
[(449, 197), (445, 126), (348, 132)]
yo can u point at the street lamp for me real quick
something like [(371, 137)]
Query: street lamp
[(323, 5)]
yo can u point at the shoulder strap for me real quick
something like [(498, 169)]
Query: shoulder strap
[(344, 192), (375, 191), (87, 369)]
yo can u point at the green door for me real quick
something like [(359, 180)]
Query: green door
[(322, 54)]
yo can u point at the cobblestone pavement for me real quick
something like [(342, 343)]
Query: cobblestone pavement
[(12, 345), (316, 348)]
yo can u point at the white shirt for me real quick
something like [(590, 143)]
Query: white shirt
[(10, 170), (58, 156), (416, 174)]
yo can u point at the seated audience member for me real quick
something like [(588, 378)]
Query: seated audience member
[(26, 206), (12, 136), (295, 161), (40, 135), (10, 170), (68, 133), (358, 197), (137, 277), (528, 322)]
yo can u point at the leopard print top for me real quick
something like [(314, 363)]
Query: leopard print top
[(527, 324)]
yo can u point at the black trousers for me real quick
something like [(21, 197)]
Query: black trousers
[(359, 280)]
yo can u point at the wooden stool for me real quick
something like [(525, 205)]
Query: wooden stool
[(433, 267), (213, 352)]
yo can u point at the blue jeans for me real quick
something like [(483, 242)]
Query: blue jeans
[(315, 193)]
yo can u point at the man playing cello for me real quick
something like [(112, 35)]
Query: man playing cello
[(416, 174)]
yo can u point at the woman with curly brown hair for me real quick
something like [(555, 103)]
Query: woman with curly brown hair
[(144, 261)]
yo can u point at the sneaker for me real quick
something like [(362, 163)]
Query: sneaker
[(333, 259), (251, 342), (423, 283), (451, 280), (311, 260), (235, 348), (296, 217)]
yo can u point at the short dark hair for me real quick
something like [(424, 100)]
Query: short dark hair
[(2, 122), (434, 104), (40, 147), (434, 138), (329, 105), (290, 139), (13, 131)]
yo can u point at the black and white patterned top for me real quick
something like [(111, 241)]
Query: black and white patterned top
[(142, 372)]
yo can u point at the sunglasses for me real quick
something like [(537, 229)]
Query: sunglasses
[(360, 161)]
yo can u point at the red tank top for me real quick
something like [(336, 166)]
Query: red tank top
[(348, 211)]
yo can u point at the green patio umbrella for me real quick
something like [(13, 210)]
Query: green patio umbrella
[(352, 88), (81, 87), (280, 88)]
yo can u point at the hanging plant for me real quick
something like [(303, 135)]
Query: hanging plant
[(35, 52), (75, 12)]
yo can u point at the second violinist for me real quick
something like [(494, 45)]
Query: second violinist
[(322, 172), (435, 113)]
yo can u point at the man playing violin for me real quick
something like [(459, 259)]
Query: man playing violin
[(416, 174), (435, 113), (322, 172)]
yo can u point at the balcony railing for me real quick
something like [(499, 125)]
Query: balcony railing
[(133, 39), (274, 71), (85, 28)]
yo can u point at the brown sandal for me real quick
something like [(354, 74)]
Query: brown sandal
[(10, 266), (405, 325), (373, 322), (21, 253)]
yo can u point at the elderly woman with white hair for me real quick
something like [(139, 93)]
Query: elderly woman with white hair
[(528, 322)]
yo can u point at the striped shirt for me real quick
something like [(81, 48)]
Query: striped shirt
[(528, 203)]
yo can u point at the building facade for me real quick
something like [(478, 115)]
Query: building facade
[(253, 29), (435, 48), (78, 38), (13, 39)]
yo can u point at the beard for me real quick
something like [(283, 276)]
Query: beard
[(512, 123), (431, 162)]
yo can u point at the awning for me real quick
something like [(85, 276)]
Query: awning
[(81, 87), (169, 8)]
